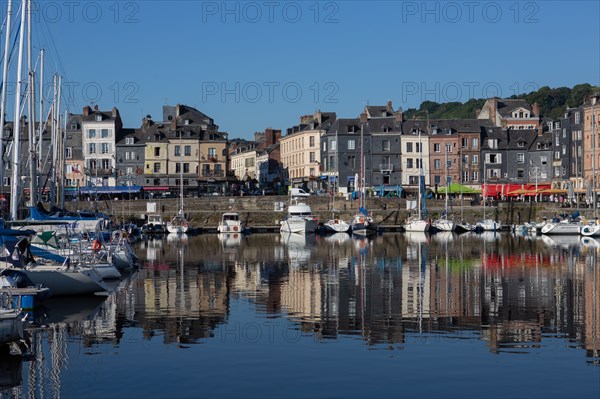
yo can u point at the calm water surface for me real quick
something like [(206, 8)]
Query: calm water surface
[(401, 315)]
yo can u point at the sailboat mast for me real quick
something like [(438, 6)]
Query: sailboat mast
[(361, 168), (3, 95), (180, 174), (33, 194), (54, 142), (14, 198), (420, 176), (42, 123), (446, 177)]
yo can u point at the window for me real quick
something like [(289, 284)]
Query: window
[(465, 177), (157, 151), (543, 160), (464, 143), (520, 157), (128, 140), (520, 144), (475, 160), (156, 167), (436, 164), (521, 173), (413, 180), (493, 158), (212, 152), (557, 170), (333, 145), (249, 162), (312, 171), (98, 118), (311, 141), (177, 151), (187, 150), (409, 147), (105, 163), (418, 147), (104, 133), (351, 162), (351, 144), (419, 163), (311, 156), (577, 117), (386, 145), (475, 176), (92, 133), (557, 139), (106, 148), (332, 162), (556, 155), (564, 149), (436, 147), (409, 163), (68, 152), (178, 167), (474, 144), (437, 179), (448, 147), (465, 160), (92, 148), (129, 170)]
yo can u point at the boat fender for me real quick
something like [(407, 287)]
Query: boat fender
[(96, 245), (235, 228)]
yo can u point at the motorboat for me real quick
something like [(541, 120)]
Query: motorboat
[(565, 227), (591, 229), (230, 223), (299, 219)]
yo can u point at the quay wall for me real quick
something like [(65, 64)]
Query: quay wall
[(259, 211)]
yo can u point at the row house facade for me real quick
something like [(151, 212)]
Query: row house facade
[(591, 140), (300, 149)]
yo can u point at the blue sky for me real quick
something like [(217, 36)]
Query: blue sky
[(252, 65)]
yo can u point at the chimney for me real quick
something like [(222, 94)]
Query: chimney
[(399, 115), (535, 108), (96, 107), (493, 109), (540, 129), (114, 113), (390, 108), (363, 117), (177, 110), (86, 110)]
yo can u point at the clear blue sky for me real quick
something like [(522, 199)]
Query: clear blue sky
[(252, 65)]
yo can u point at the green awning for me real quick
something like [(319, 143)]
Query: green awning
[(456, 188)]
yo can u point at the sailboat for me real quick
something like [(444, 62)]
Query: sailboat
[(336, 225), (416, 221), (179, 224), (362, 224), (487, 224), (443, 223)]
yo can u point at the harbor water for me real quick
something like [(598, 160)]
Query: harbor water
[(270, 315)]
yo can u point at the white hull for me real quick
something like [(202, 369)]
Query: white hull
[(337, 226), (464, 227), (177, 229), (590, 230), (565, 228), (489, 225), (66, 282), (417, 225), (444, 225), (299, 225), (230, 223)]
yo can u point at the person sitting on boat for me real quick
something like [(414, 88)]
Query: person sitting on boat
[(96, 245)]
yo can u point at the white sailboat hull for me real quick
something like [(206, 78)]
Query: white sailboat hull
[(591, 230), (66, 282), (444, 225), (298, 225), (418, 225), (337, 226), (489, 225), (566, 228)]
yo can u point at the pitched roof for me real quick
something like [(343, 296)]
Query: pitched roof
[(507, 105)]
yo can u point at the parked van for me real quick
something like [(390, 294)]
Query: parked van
[(298, 192)]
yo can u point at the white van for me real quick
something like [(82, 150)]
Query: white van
[(298, 192)]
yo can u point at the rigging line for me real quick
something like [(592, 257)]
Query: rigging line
[(12, 51)]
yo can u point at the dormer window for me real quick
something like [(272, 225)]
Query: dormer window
[(99, 118), (74, 126), (186, 122), (521, 144), (129, 140), (385, 129)]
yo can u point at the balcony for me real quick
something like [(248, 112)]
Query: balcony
[(209, 173), (386, 168), (100, 172)]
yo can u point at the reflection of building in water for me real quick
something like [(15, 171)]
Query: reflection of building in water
[(592, 308), (301, 295)]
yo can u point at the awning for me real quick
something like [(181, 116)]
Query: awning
[(110, 189), (156, 188), (456, 188)]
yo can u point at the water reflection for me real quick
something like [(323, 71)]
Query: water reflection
[(507, 293)]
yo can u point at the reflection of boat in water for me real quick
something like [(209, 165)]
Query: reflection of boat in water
[(338, 238), (67, 310), (590, 242), (443, 236), (230, 240), (415, 237), (563, 241), (299, 247), (489, 236), (177, 238), (11, 370)]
